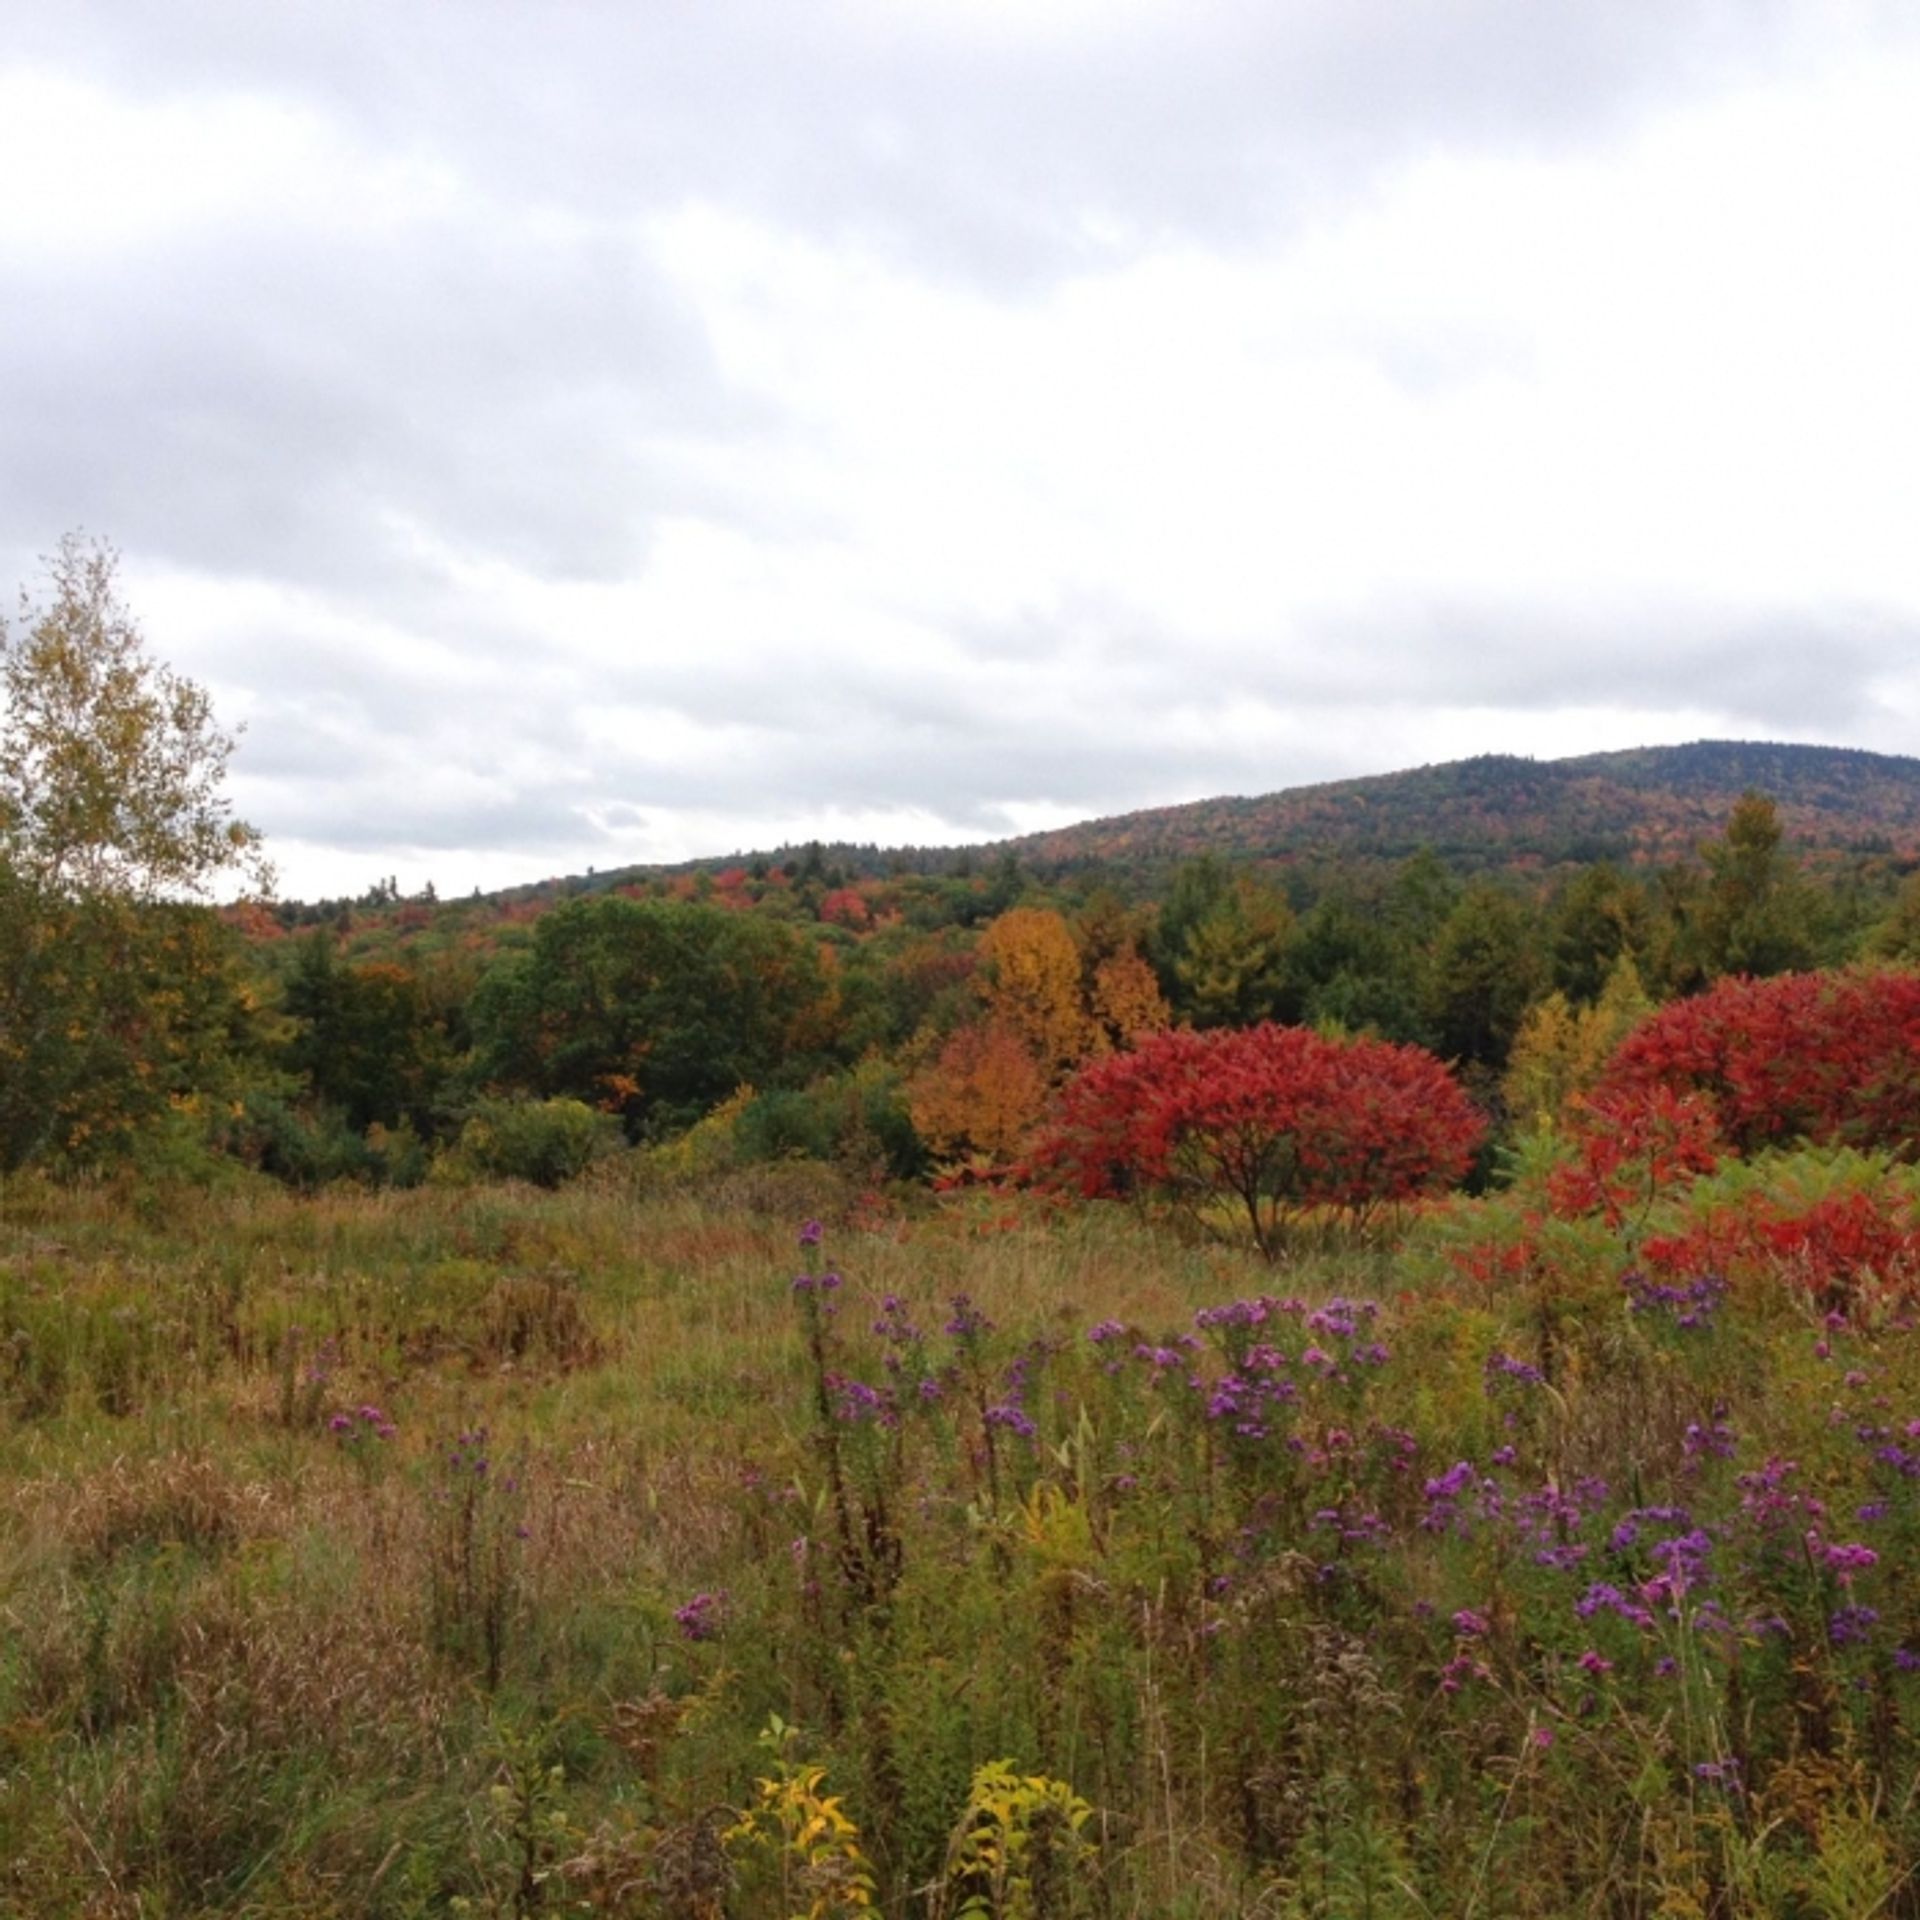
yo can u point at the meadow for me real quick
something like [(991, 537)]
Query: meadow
[(778, 1547)]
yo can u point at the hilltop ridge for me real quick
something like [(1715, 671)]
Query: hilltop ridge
[(1640, 805)]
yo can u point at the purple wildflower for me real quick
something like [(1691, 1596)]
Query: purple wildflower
[(701, 1617)]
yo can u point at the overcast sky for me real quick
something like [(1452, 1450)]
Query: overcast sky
[(570, 434)]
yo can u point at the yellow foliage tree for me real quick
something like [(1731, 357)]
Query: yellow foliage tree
[(1030, 980), (1127, 1001), (1561, 1050)]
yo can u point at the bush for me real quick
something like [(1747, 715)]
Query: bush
[(1270, 1119), (1843, 1225), (858, 1118), (544, 1142), (1833, 1059), (304, 1144)]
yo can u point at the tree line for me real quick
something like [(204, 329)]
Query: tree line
[(900, 1022)]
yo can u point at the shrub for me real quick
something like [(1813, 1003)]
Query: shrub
[(1270, 1119), (1845, 1226), (544, 1142), (1833, 1059), (857, 1118)]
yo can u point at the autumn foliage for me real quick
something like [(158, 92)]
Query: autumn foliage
[(1270, 1119), (1046, 1006), (1829, 1058), (1839, 1246)]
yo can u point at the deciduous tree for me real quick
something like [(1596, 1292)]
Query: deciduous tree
[(113, 817), (1268, 1120)]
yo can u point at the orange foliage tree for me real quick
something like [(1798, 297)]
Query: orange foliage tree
[(1045, 1009), (982, 1093)]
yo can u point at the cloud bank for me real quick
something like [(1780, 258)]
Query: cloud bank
[(585, 434)]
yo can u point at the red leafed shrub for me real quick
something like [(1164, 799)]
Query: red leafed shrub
[(1831, 1058), (1632, 1146), (1836, 1244), (1273, 1119)]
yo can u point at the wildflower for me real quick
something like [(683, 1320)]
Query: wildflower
[(1850, 1559), (968, 1322), (700, 1617), (857, 1403), (1470, 1623), (1690, 1306), (1541, 1737), (1851, 1625), (810, 1234), (1603, 1595), (1593, 1661), (1503, 1366), (1713, 1441)]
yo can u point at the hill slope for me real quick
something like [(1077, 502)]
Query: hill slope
[(1650, 803)]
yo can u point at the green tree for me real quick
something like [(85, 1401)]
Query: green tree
[(1483, 974), (1755, 915), (366, 1038), (653, 1009), (1236, 969), (1222, 947), (1365, 950), (1599, 916), (116, 991)]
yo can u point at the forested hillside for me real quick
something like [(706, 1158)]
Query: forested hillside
[(1649, 804)]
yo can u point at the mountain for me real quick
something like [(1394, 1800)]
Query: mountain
[(1496, 811), (1502, 810)]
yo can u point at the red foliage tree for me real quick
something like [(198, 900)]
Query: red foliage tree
[(846, 907), (1271, 1119), (1832, 1058)]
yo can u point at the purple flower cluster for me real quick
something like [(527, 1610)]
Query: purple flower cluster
[(1502, 1368), (1446, 1494), (966, 1321), (1712, 1439), (702, 1617), (859, 1404), (1689, 1305), (362, 1423), (1849, 1626)]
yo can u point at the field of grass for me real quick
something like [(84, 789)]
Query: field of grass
[(503, 1552)]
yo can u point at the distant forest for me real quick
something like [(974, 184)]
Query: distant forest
[(906, 1022), (903, 1015)]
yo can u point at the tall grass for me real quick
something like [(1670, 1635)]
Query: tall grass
[(457, 1550)]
